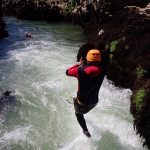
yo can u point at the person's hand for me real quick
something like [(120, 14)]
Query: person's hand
[(80, 62)]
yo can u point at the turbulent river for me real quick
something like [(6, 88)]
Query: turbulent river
[(37, 116)]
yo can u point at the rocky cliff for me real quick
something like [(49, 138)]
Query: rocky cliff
[(33, 9), (120, 29), (3, 32), (123, 35)]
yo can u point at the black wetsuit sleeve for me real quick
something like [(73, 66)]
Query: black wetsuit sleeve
[(67, 72)]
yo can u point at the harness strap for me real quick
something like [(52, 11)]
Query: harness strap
[(79, 102)]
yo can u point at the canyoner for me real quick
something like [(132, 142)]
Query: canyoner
[(89, 73)]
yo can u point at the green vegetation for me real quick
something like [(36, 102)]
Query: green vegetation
[(111, 57), (70, 6), (66, 10), (126, 47), (140, 72), (113, 46), (123, 38), (107, 47), (138, 99)]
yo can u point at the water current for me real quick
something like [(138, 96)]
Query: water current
[(37, 116)]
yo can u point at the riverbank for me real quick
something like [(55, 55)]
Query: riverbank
[(3, 32), (120, 29)]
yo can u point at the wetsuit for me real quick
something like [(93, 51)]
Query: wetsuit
[(89, 81)]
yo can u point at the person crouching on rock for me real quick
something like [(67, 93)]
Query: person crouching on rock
[(90, 77), (5, 94)]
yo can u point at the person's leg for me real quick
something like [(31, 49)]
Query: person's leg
[(81, 121)]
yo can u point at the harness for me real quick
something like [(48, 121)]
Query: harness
[(70, 102), (79, 102)]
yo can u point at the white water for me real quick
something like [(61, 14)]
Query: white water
[(37, 116)]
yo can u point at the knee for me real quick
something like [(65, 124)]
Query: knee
[(79, 115), (76, 114)]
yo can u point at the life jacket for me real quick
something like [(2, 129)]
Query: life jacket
[(88, 87)]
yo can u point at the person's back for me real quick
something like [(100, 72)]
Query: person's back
[(90, 83)]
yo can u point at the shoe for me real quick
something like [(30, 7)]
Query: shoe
[(87, 133), (74, 99)]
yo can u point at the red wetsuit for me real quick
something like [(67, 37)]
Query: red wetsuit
[(89, 81)]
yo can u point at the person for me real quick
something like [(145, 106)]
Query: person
[(90, 77), (5, 94), (29, 35), (26, 34)]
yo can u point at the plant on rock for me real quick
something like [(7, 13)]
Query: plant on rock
[(112, 47), (138, 98), (140, 72)]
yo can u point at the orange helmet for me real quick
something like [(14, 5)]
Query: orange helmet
[(93, 55)]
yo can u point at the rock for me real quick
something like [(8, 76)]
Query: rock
[(3, 32), (128, 64)]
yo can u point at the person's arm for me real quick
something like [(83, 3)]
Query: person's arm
[(73, 71), (93, 71)]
